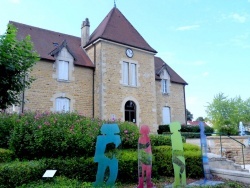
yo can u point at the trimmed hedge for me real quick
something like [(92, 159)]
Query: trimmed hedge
[(162, 140), (17, 173), (84, 169), (6, 155), (188, 131)]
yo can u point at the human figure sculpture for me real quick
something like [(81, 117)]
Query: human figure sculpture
[(178, 156), (108, 136), (144, 157), (203, 140)]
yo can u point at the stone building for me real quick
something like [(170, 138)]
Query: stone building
[(111, 74)]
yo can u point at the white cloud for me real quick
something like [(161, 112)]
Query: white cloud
[(15, 1), (241, 40), (238, 18), (188, 27)]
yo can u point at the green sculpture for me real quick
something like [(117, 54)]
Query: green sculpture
[(178, 156)]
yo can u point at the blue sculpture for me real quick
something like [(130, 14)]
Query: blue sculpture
[(108, 136), (207, 174)]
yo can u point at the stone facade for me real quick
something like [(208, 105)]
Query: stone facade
[(110, 92), (46, 88), (175, 100)]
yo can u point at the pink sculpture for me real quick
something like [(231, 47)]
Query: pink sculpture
[(144, 157)]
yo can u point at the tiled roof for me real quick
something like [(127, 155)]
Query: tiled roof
[(116, 28), (44, 41), (174, 77)]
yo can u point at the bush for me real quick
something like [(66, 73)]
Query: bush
[(160, 140), (193, 160), (52, 135), (18, 173), (188, 131), (7, 123), (6, 155)]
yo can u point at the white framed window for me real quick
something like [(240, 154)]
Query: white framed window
[(166, 118), (63, 70), (62, 104), (164, 86), (129, 71)]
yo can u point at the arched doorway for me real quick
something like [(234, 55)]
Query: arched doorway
[(130, 111)]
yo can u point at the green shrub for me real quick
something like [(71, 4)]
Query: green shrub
[(6, 155), (160, 140), (52, 135), (7, 123), (164, 166), (18, 173), (188, 131), (129, 133)]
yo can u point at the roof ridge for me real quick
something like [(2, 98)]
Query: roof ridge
[(110, 16), (42, 29)]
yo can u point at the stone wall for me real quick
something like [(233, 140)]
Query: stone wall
[(228, 145), (41, 94), (174, 100), (110, 92)]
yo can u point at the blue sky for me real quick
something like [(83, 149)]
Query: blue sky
[(207, 42)]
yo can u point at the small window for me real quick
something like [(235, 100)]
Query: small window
[(164, 86), (129, 74), (62, 104), (63, 70)]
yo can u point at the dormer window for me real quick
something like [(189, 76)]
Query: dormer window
[(165, 82), (164, 86), (63, 70)]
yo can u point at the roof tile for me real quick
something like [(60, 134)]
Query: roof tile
[(116, 28)]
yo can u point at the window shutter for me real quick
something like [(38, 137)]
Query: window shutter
[(133, 74), (62, 104), (168, 84), (63, 70), (125, 73), (165, 115)]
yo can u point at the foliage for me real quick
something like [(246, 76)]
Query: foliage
[(187, 131), (189, 115), (7, 122), (84, 169), (17, 173), (6, 155), (37, 135), (160, 140), (225, 114), (200, 119), (16, 59)]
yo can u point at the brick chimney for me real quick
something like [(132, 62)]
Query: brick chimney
[(85, 32)]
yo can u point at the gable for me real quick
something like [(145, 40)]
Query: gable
[(160, 65), (116, 28)]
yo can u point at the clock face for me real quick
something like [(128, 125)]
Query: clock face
[(129, 52)]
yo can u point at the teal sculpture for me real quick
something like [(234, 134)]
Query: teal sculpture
[(178, 156), (109, 135), (207, 174)]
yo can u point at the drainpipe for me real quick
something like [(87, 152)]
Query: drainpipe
[(185, 104), (93, 90)]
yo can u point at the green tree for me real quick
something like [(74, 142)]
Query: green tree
[(189, 115), (16, 60), (200, 119), (225, 114)]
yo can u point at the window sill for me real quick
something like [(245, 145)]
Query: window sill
[(165, 94), (129, 86), (65, 81)]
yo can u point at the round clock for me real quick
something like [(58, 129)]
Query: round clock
[(129, 52)]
